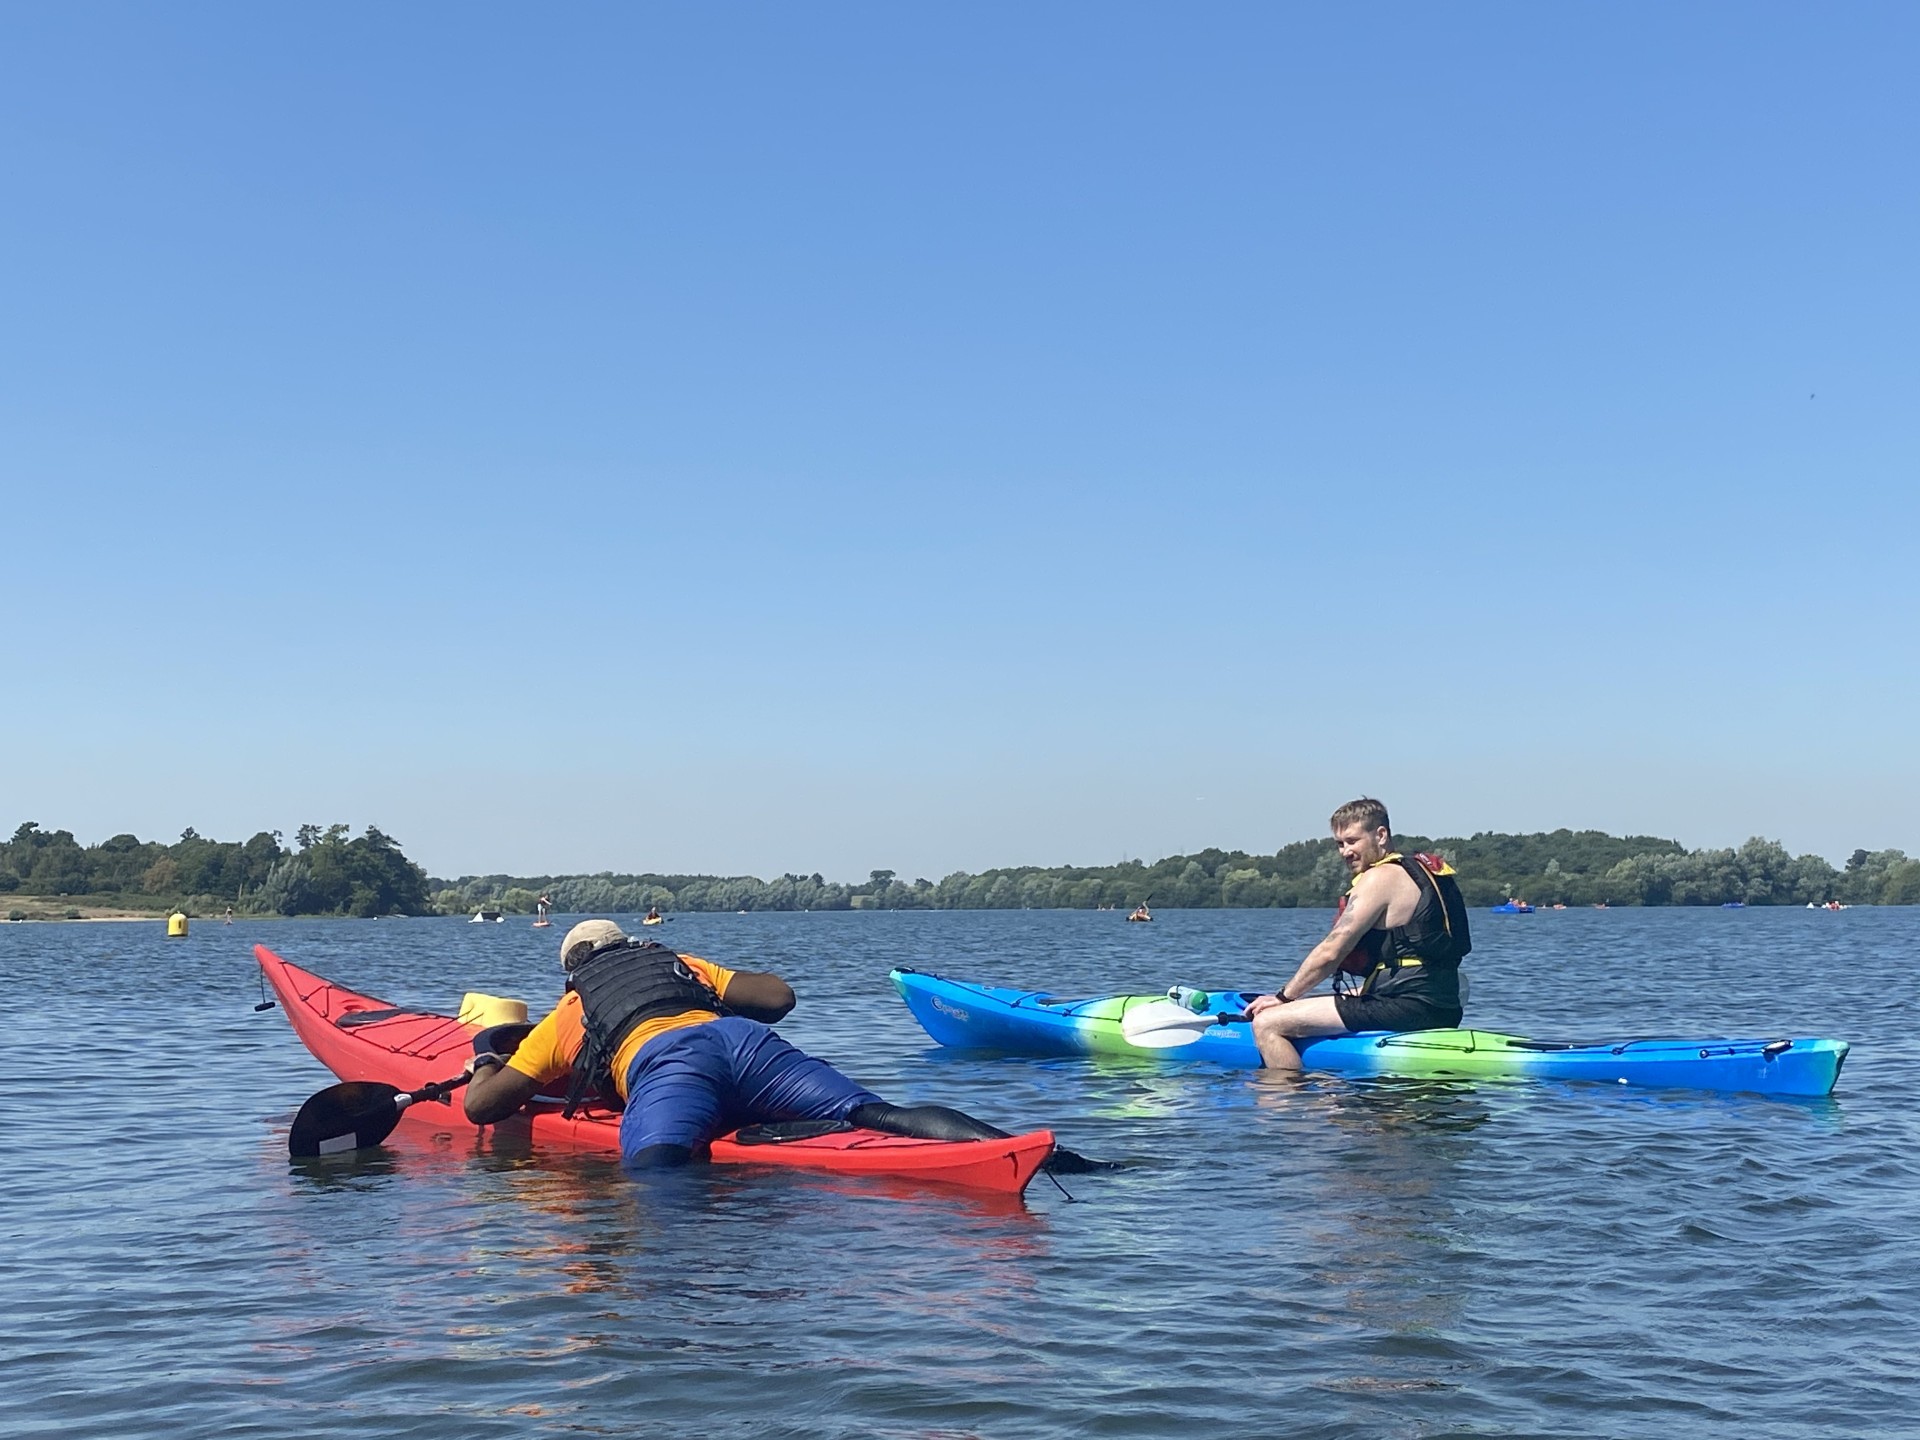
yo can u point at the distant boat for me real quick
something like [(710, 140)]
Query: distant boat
[(485, 916), (1510, 908), (1733, 904)]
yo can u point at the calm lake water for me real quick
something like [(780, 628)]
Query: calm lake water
[(1315, 1258)]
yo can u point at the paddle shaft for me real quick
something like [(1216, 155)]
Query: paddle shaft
[(439, 1089)]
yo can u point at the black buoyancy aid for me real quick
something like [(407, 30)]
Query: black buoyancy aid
[(1420, 959), (624, 986)]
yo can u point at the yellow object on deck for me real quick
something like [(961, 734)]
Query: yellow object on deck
[(176, 926), (485, 1010)]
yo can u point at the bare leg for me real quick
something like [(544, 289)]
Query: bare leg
[(1275, 1029), (1277, 1052)]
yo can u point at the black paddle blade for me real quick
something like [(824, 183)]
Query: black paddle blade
[(350, 1116)]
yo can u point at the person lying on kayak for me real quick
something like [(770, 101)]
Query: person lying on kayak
[(686, 1044), (1394, 951)]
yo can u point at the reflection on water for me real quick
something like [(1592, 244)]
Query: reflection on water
[(1280, 1255)]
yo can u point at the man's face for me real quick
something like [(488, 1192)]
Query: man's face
[(1361, 847)]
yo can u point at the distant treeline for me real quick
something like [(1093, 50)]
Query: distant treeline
[(1584, 867), (327, 873)]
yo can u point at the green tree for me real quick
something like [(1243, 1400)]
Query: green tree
[(60, 868), (1902, 884), (1246, 887), (287, 890)]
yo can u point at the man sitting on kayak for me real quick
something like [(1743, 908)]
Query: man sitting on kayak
[(685, 1043), (1394, 950)]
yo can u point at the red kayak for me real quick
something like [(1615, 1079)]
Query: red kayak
[(361, 1038)]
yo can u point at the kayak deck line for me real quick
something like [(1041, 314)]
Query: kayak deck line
[(361, 1014), (1477, 1039)]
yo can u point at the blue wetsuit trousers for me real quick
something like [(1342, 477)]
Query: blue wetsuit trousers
[(691, 1084)]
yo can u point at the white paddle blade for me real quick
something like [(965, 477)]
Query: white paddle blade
[(1162, 1024)]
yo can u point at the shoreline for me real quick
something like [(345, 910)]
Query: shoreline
[(37, 910), (118, 918)]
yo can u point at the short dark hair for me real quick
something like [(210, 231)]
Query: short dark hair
[(1366, 810)]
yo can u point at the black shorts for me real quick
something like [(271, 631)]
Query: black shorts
[(1394, 1012)]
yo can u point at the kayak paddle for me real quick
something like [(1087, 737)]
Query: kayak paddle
[(357, 1114), (1163, 1024)]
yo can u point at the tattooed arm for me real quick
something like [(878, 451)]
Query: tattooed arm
[(1366, 907)]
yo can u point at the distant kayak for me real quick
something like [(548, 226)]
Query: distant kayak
[(1511, 909), (361, 1038), (1032, 1022)]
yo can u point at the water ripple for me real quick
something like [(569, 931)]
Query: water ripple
[(1316, 1257)]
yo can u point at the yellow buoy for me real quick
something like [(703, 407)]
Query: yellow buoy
[(485, 1010), (176, 926)]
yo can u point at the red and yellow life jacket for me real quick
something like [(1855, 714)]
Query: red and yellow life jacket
[(1422, 957)]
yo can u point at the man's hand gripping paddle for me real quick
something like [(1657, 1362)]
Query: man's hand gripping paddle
[(359, 1114)]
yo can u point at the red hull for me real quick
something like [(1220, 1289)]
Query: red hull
[(408, 1048)]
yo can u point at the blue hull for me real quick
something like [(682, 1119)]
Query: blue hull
[(1032, 1022)]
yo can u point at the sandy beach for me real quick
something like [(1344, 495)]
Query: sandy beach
[(39, 907)]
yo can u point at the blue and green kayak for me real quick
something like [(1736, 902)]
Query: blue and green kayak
[(1033, 1022)]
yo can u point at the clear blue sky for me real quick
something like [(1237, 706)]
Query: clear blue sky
[(757, 438)]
